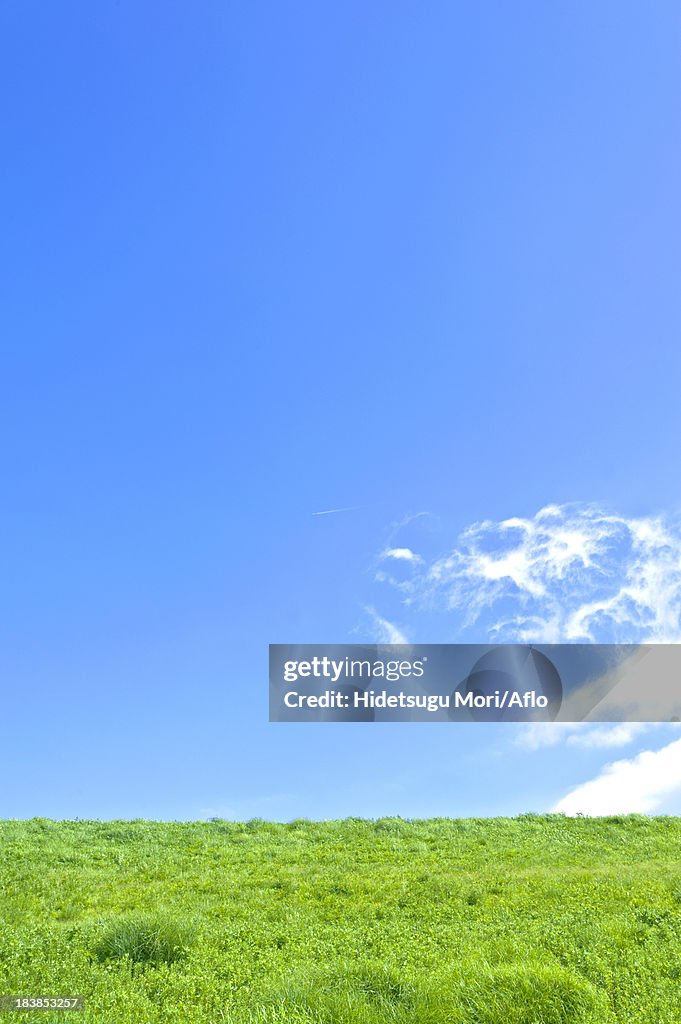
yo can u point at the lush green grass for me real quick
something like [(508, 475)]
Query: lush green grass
[(536, 920)]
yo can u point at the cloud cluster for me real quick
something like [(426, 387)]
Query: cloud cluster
[(569, 573)]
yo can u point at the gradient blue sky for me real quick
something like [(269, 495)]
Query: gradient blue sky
[(261, 260)]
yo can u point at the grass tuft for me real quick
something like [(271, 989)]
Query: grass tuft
[(144, 940), (471, 993)]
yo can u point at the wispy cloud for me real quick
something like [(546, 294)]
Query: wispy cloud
[(569, 573), (386, 632), (603, 736), (539, 735)]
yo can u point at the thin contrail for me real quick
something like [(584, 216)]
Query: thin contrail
[(331, 511)]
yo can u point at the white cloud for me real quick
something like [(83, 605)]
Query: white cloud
[(401, 554), (571, 572), (640, 785), (618, 735), (538, 735)]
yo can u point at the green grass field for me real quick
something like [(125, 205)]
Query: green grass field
[(534, 920)]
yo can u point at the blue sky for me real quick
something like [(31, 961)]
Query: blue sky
[(265, 260)]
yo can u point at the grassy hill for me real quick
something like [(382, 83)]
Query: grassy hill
[(534, 920)]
